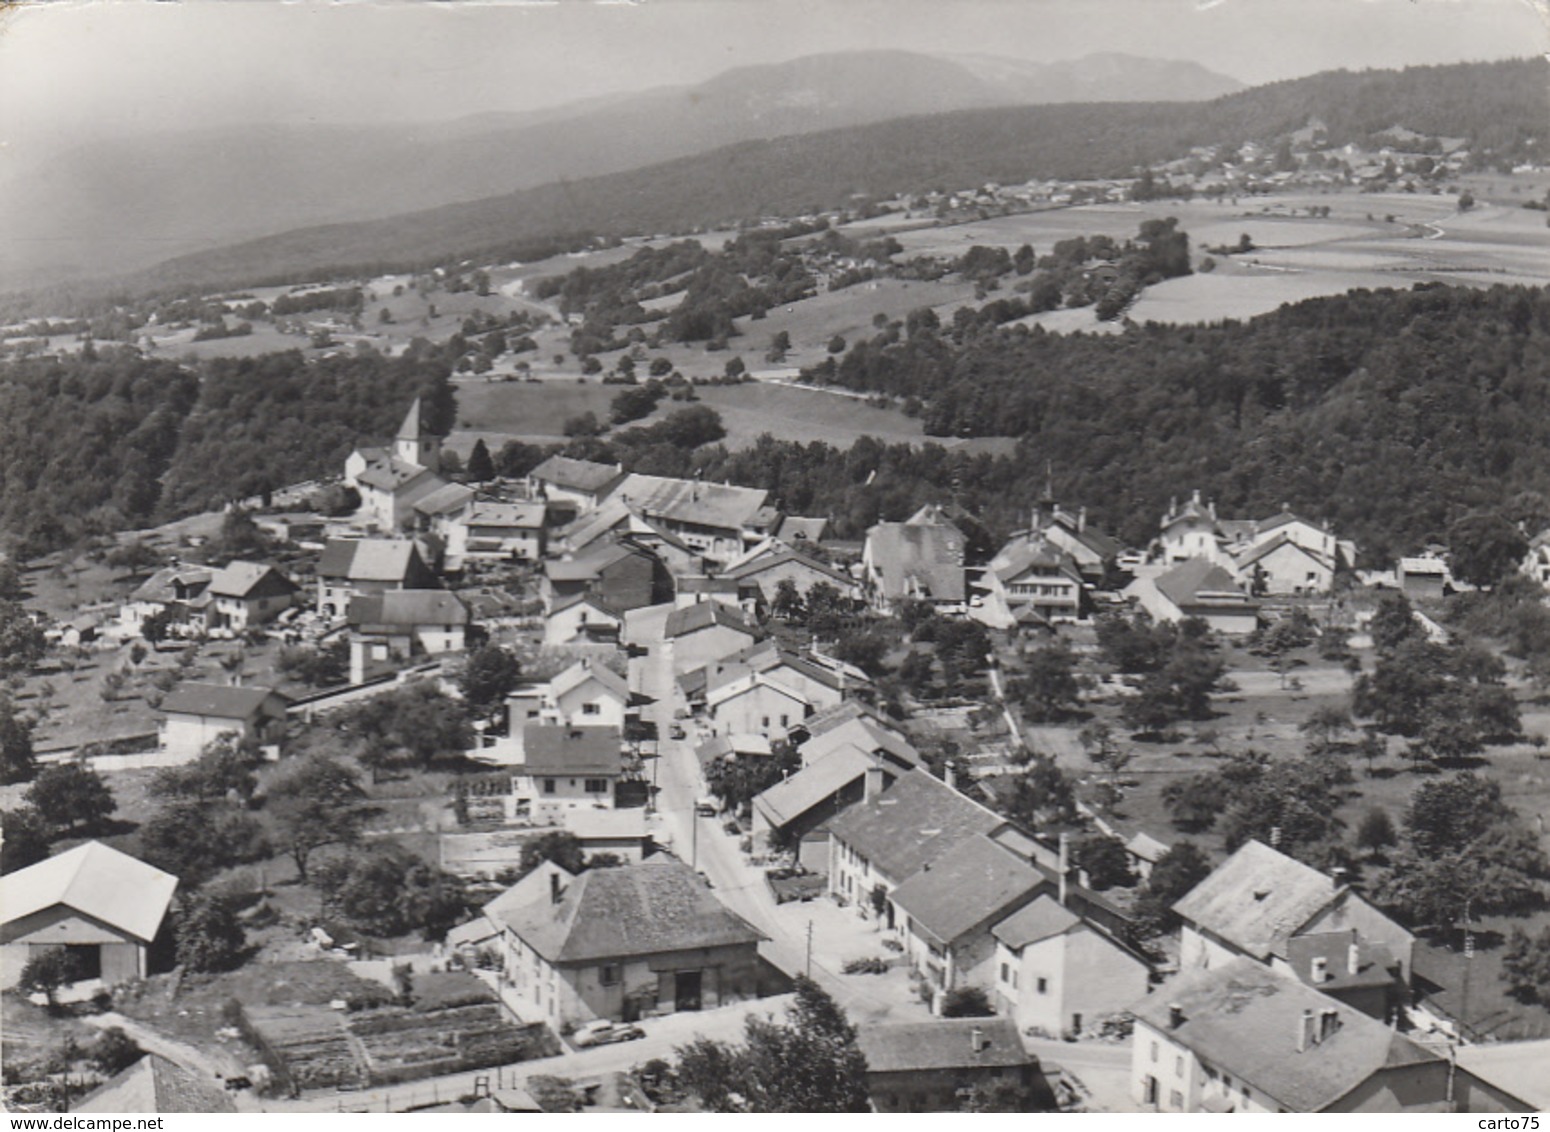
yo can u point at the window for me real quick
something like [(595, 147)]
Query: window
[(1175, 1099), (597, 786), (609, 975), (1226, 1081), (1154, 1051), (591, 709), (1178, 1067), (1006, 973), (1246, 1094), (1043, 988), (1149, 1089), (549, 786)]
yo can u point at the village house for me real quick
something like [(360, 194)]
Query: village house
[(351, 568), (921, 559), (1094, 552), (1536, 563), (706, 632), (499, 531), (1424, 576), (1268, 907), (441, 514), (621, 573), (1242, 1037), (565, 765), (1198, 588), (243, 595), (388, 630), (573, 486), (795, 811), (304, 528), (587, 693), (1287, 554), (392, 480), (582, 617), (171, 588), (1058, 973), (1030, 580), (1142, 852), (945, 1065), (155, 1084), (716, 520), (195, 715), (760, 572), (1191, 531), (622, 943), (822, 681), (756, 703), (101, 906)]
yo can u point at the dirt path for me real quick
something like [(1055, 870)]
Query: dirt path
[(214, 1065)]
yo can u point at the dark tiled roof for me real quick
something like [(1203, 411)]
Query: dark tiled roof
[(577, 475), (922, 560), (154, 1084), (551, 748), (947, 1043), (445, 500), (406, 608), (1044, 918), (165, 583), (1243, 1019), (915, 821), (374, 560), (634, 910), (222, 701), (1257, 899), (974, 882), (692, 501), (704, 614), (1024, 554), (1199, 583), (250, 580), (774, 558), (792, 797)]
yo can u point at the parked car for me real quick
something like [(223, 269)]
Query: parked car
[(706, 808), (603, 1032)]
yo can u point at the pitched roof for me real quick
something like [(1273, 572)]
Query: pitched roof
[(704, 615), (372, 560), (655, 908), (555, 748), (1244, 1017), (974, 882), (914, 822), (163, 585), (862, 733), (222, 701), (750, 682), (1020, 555), (523, 516), (97, 881), (1516, 1067), (781, 556), (1264, 549), (796, 528), (584, 670), (250, 579), (692, 501), (1257, 899), (445, 500), (394, 474), (738, 743), (155, 1084), (1146, 847), (406, 608), (946, 1043), (842, 713), (591, 599), (919, 560), (412, 426), (590, 565), (577, 475), (1044, 918), (1198, 583), (792, 797)]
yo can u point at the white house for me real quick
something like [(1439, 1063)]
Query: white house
[(756, 704), (388, 630), (587, 693), (1199, 588), (195, 715), (565, 765), (499, 530), (581, 617), (242, 595), (392, 480)]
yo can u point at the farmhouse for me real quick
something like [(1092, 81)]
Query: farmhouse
[(760, 572), (623, 574), (170, 588), (1242, 1037), (706, 632), (587, 693), (441, 513), (195, 715), (499, 530), (1093, 551), (565, 765), (352, 568), (582, 617), (921, 559), (716, 520), (1191, 531), (244, 594), (1199, 588), (1031, 576), (937, 1066), (572, 485), (623, 943), (102, 906), (758, 704), (389, 629)]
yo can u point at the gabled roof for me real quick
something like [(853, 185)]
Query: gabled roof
[(162, 585), (446, 500), (555, 748), (220, 701), (864, 734), (406, 609), (918, 560), (1285, 518), (842, 713), (1032, 552), (394, 475), (1257, 899), (594, 524), (704, 615), (738, 743), (914, 822), (578, 475), (591, 565), (943, 1044), (750, 683), (657, 908), (794, 528), (1264, 549), (975, 882), (1243, 1019), (1102, 545), (1044, 918), (94, 880), (1146, 847), (374, 560), (523, 516), (692, 501), (155, 1084), (250, 580), (771, 557), (1201, 584), (814, 784), (588, 599), (583, 671)]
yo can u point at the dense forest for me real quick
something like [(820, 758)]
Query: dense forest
[(114, 441), (1389, 413), (1498, 108)]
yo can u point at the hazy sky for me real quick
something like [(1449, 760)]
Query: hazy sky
[(70, 70)]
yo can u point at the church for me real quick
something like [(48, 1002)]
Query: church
[(392, 480)]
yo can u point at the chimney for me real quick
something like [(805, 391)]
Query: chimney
[(1329, 1022), (1337, 876), (1081, 519), (1065, 865), (1175, 1016), (950, 774), (1320, 972), (874, 782), (1304, 1030), (977, 1040), (1275, 837), (554, 888), (1353, 955)]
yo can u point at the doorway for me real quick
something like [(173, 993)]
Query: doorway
[(687, 990)]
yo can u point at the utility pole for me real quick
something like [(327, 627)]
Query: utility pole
[(809, 949), (694, 838)]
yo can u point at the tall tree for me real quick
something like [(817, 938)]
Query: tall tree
[(315, 801), (16, 761), (209, 935), (480, 469), (70, 797), (489, 674), (1484, 548)]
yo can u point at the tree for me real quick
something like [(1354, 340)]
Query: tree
[(72, 797), (837, 344), (1376, 831), (780, 346), (16, 761), (480, 469), (585, 424), (735, 367), (320, 667), (1194, 803), (209, 935), (314, 801), (22, 643), (223, 769), (1526, 965), (1042, 796), (1048, 690), (788, 604), (1173, 874), (194, 839), (1484, 548), (24, 838), (489, 674), (1180, 689), (810, 1063), (114, 1051), (1393, 623), (560, 847), (518, 459), (1105, 862), (49, 969), (967, 1002), (413, 726), (1326, 724)]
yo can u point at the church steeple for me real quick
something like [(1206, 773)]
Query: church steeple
[(414, 445)]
